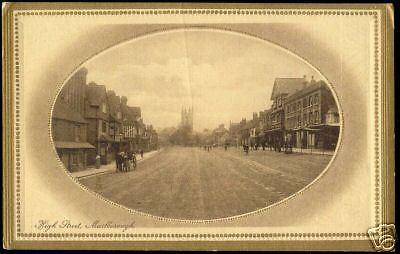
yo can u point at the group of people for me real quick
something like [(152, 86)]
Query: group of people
[(208, 148), (246, 149), (126, 161), (278, 146)]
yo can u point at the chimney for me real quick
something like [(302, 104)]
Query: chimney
[(312, 82), (124, 100), (305, 81)]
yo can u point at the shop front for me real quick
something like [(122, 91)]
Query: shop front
[(73, 154)]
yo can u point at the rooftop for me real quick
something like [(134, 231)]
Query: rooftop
[(287, 86), (309, 89), (62, 111), (95, 94)]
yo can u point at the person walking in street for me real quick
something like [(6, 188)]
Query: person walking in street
[(126, 162), (118, 162), (141, 153), (131, 160), (121, 161)]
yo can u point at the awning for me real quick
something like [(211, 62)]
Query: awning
[(332, 125), (73, 145), (274, 130), (311, 129)]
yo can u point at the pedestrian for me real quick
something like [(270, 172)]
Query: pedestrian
[(127, 163), (130, 159), (118, 161), (141, 153), (121, 161)]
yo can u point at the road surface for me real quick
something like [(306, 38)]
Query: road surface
[(191, 183)]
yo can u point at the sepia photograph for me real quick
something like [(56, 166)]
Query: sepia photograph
[(168, 125), (180, 126)]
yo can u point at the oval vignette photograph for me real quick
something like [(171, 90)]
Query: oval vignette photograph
[(196, 124)]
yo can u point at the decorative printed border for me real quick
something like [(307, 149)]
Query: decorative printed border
[(191, 236), (17, 67), (377, 119)]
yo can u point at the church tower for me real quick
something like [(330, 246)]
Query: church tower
[(187, 118)]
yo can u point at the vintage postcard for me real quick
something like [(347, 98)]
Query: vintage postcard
[(198, 126)]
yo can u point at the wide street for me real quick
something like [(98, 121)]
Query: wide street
[(191, 183)]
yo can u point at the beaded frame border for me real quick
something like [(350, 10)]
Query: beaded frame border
[(191, 236)]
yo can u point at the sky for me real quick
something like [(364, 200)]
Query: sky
[(224, 76)]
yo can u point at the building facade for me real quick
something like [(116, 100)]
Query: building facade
[(115, 122), (303, 114), (312, 118), (97, 114), (69, 128), (283, 87), (264, 126), (234, 134), (220, 135)]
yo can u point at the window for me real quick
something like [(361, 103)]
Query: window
[(305, 119), (310, 101), (304, 102), (104, 107), (310, 118), (112, 129), (77, 132), (119, 116), (316, 114), (280, 102), (104, 126), (316, 98)]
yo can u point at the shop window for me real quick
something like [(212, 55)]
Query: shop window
[(75, 159)]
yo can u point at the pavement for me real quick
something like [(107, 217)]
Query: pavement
[(109, 168), (190, 183)]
